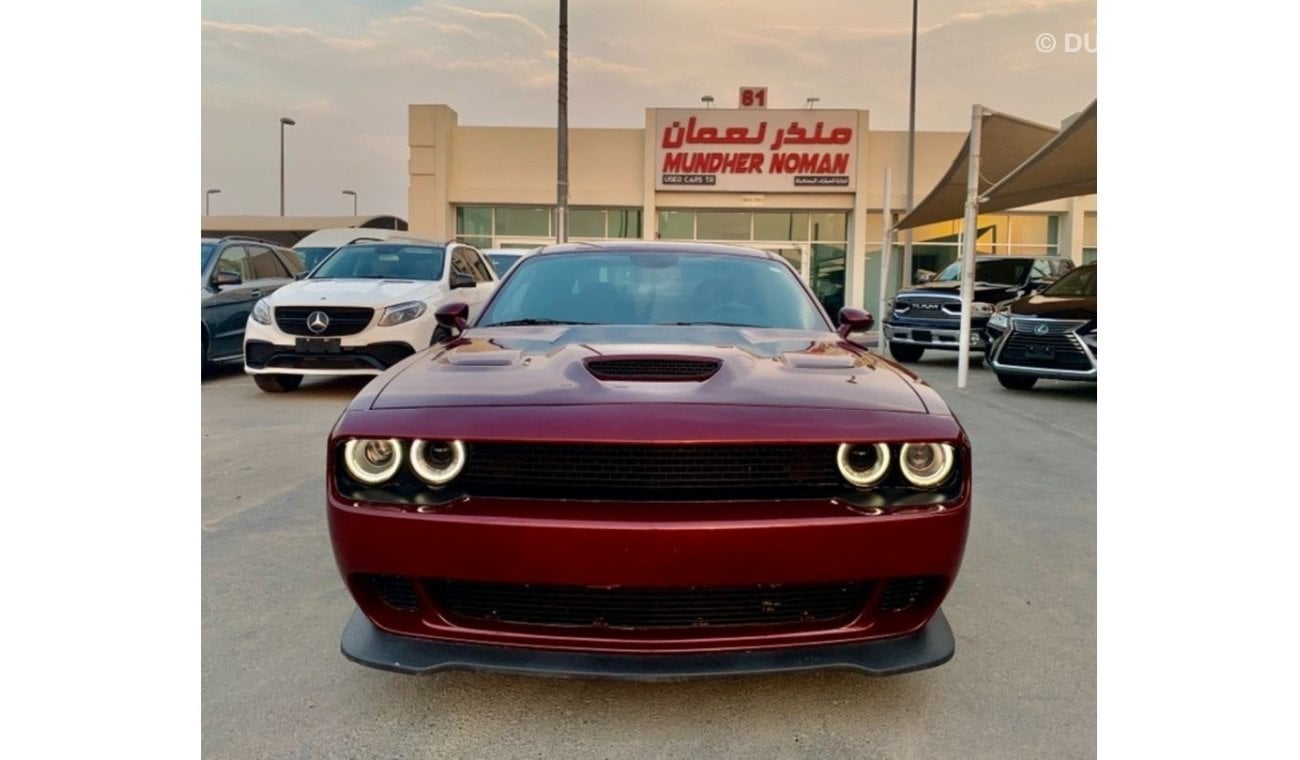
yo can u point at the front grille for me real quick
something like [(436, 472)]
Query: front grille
[(376, 356), (1025, 348), (343, 320), (396, 591), (573, 467), (905, 593), (653, 369), (928, 308), (582, 607)]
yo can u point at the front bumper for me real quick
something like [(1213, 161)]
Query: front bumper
[(928, 334), (268, 349), (995, 360), (365, 644)]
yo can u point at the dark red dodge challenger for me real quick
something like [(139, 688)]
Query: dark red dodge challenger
[(649, 460)]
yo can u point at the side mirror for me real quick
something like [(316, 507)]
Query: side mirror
[(227, 278), (924, 277), (461, 280), (854, 320), (453, 316)]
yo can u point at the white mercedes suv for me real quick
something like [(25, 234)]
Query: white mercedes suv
[(366, 307)]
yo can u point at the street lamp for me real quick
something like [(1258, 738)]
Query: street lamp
[(811, 103), (707, 100), (352, 193), (207, 201), (285, 121)]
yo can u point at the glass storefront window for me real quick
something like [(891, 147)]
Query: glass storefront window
[(478, 242), (830, 227), (722, 225), (624, 223), (523, 221), (474, 220), (586, 222), (780, 225), (677, 225)]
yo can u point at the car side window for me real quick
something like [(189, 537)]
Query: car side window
[(460, 264), (234, 259), (292, 260), (1042, 270), (265, 264), (481, 271), (1063, 267)]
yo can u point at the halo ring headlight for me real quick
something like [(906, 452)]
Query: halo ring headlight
[(372, 460), (859, 473), (926, 465), (437, 462)]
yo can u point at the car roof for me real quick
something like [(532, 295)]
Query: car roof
[(654, 246)]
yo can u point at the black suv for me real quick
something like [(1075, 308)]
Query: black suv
[(1052, 334), (929, 315), (237, 271)]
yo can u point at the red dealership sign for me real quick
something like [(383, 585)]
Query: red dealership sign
[(756, 150)]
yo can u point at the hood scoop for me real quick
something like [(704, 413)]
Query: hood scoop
[(657, 369)]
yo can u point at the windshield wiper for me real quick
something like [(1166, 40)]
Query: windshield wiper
[(714, 324), (536, 321)]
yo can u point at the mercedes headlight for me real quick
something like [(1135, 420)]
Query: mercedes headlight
[(372, 460), (863, 464), (402, 312), (262, 312), (437, 462), (926, 465)]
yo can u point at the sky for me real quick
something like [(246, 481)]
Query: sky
[(346, 70)]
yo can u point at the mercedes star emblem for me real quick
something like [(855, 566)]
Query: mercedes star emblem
[(317, 321)]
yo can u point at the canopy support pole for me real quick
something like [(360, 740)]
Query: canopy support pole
[(969, 233), (885, 253)]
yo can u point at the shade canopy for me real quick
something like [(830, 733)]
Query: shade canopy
[(1005, 144), (1063, 168)]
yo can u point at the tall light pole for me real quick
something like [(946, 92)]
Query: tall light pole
[(707, 100), (207, 201), (811, 103), (285, 121), (352, 193), (562, 133), (911, 156)]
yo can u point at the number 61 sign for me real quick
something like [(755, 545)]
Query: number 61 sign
[(753, 97)]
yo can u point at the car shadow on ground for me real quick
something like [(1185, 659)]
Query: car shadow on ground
[(316, 387)]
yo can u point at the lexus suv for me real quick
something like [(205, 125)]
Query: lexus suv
[(236, 272), (1052, 334), (929, 315), (364, 308)]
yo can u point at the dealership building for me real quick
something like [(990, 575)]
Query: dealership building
[(807, 184)]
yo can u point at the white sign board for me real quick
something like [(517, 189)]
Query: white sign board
[(756, 151)]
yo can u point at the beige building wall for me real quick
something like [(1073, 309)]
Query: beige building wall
[(454, 165)]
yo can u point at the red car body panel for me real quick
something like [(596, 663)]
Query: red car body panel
[(531, 385)]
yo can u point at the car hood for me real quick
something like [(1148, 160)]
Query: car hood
[(347, 292), (1056, 307), (986, 293), (545, 365)]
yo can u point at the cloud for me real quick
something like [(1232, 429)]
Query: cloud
[(499, 16)]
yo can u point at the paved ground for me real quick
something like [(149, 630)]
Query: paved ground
[(1023, 682)]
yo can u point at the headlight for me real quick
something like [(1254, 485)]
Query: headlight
[(981, 309), (372, 460), (402, 312), (863, 464), (262, 312), (998, 320), (437, 462), (926, 465)]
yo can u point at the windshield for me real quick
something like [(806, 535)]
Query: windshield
[(313, 255), (1079, 283), (653, 288), (384, 262), (208, 248), (1003, 272), (503, 261)]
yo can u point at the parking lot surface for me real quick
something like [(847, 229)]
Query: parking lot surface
[(1022, 683)]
